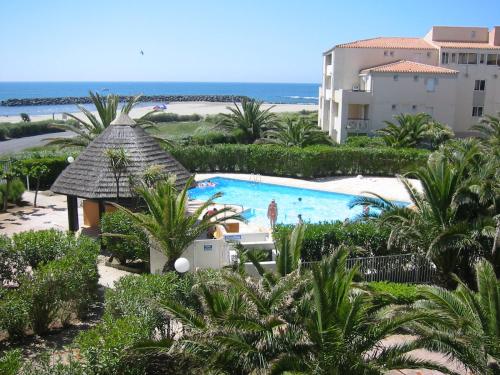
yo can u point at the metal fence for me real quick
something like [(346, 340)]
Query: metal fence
[(404, 268), (4, 167)]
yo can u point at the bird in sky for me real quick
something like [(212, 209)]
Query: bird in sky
[(142, 52)]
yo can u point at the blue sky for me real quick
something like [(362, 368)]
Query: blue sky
[(196, 40)]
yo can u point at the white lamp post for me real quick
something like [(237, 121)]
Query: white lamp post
[(181, 265)]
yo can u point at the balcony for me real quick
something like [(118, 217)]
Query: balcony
[(328, 94), (329, 70), (358, 125)]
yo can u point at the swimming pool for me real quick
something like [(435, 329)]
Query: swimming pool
[(315, 206)]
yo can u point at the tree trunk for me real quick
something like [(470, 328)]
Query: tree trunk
[(36, 191), (117, 190)]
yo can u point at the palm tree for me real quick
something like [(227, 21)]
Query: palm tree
[(300, 133), (469, 317), (408, 130), (489, 129), (118, 163), (92, 126), (167, 221), (437, 223), (250, 119)]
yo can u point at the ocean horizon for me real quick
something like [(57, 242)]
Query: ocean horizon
[(292, 93)]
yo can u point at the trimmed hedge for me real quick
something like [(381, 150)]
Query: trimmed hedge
[(320, 238), (315, 161), (27, 129), (172, 117), (399, 293), (54, 164)]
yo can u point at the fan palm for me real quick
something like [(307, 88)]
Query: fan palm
[(300, 133), (408, 130), (250, 119), (470, 317), (90, 127), (167, 220)]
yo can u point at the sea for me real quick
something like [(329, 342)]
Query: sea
[(295, 93)]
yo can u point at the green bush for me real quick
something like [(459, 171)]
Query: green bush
[(133, 246), (27, 129), (64, 279), (364, 141), (315, 161), (320, 238), (211, 138), (172, 117), (12, 264), (54, 164), (104, 347), (14, 310), (11, 362), (398, 293), (16, 190), (44, 246)]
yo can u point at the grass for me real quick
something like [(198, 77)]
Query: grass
[(177, 130)]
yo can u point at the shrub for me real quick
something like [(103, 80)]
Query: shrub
[(40, 246), (14, 311), (11, 362), (210, 138), (12, 264), (364, 141), (27, 129), (320, 238), (55, 166), (16, 190), (172, 117), (62, 287), (315, 161), (104, 347), (388, 292), (135, 245)]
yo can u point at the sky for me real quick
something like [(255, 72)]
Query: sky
[(203, 40)]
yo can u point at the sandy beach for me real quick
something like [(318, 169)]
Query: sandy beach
[(182, 108)]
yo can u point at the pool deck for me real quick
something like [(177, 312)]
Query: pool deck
[(388, 187)]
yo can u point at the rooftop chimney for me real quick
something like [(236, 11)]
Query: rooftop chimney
[(495, 36)]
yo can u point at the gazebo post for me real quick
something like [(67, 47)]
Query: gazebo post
[(72, 202), (102, 209)]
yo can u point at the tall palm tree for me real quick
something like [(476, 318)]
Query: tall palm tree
[(250, 119), (168, 222), (408, 130), (300, 133), (469, 317), (90, 127)]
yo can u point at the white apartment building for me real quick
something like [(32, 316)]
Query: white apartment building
[(453, 74)]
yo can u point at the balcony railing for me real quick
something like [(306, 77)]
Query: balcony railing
[(358, 124)]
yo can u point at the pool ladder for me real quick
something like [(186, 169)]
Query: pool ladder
[(256, 178)]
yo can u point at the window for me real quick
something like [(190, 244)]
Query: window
[(444, 58), (393, 107), (477, 111), (472, 34), (453, 58), (414, 107), (386, 53), (481, 58), (430, 84), (415, 78), (428, 54), (462, 58), (395, 77), (479, 85), (391, 53), (472, 58), (491, 59)]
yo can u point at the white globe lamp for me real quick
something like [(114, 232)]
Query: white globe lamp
[(181, 265), (71, 159)]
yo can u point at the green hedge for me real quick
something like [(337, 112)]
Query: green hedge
[(134, 246), (172, 117), (320, 238), (315, 161), (16, 191), (398, 293), (54, 164), (27, 129)]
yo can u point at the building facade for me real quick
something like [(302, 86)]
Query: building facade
[(453, 74)]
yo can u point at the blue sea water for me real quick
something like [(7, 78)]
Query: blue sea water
[(315, 206), (267, 92)]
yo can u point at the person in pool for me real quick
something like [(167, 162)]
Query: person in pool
[(272, 213)]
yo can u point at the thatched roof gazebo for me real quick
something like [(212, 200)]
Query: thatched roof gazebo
[(91, 177)]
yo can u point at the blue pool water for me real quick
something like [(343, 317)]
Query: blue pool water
[(316, 206)]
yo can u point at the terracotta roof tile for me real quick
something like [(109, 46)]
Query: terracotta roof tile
[(389, 43), (404, 66), (466, 45)]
